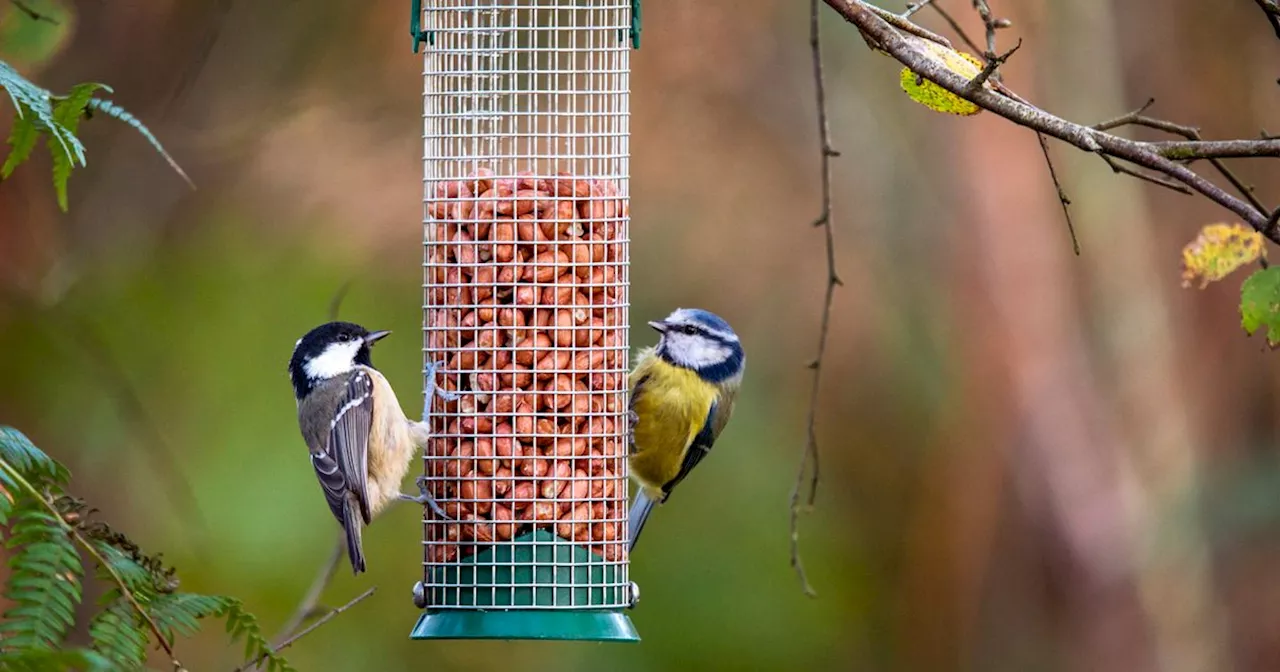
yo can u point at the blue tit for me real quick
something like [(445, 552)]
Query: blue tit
[(682, 394)]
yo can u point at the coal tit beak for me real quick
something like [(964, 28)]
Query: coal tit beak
[(660, 327), (376, 336)]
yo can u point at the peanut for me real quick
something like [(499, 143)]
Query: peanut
[(526, 305)]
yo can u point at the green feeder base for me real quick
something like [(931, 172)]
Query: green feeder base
[(547, 624), (519, 591)]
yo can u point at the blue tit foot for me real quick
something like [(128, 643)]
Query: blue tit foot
[(433, 390), (426, 499), (633, 419)]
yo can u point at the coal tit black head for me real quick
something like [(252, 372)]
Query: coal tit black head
[(329, 350)]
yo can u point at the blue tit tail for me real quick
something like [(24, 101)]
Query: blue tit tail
[(351, 523), (640, 510)]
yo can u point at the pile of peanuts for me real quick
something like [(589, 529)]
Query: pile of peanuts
[(526, 309)]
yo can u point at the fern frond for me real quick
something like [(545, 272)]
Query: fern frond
[(181, 613), (31, 462), (135, 577), (22, 139), (38, 102), (81, 660), (119, 634), (242, 625), (112, 110), (44, 580), (67, 112)]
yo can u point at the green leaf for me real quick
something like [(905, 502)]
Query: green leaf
[(22, 139), (34, 465), (38, 102), (1260, 304), (67, 112), (119, 634), (933, 96), (44, 584)]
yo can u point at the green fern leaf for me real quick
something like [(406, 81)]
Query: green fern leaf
[(119, 634), (81, 660), (34, 465), (44, 581), (22, 139), (38, 103), (67, 112), (135, 576), (112, 110), (244, 625), (182, 612)]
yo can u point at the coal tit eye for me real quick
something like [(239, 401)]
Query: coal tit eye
[(344, 337)]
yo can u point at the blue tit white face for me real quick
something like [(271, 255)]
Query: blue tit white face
[(701, 341), (330, 350)]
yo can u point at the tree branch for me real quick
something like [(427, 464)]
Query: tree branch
[(1217, 149), (308, 630), (1159, 180), (1062, 194), (810, 455), (902, 47), (311, 599)]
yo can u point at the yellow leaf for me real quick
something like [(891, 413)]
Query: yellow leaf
[(933, 96), (1219, 250)]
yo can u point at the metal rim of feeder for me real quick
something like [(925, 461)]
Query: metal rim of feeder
[(525, 313)]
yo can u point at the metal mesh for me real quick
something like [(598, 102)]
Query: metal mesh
[(525, 308)]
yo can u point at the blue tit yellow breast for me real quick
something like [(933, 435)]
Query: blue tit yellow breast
[(672, 404)]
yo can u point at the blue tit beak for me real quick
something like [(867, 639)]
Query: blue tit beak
[(376, 336), (660, 327)]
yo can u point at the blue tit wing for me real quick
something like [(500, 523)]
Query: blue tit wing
[(343, 466), (717, 418)]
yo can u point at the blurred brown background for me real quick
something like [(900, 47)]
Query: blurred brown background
[(1032, 461)]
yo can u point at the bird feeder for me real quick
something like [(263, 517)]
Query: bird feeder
[(525, 295)]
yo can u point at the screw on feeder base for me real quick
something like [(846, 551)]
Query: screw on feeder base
[(419, 595)]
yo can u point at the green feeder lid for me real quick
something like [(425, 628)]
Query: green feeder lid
[(537, 587)]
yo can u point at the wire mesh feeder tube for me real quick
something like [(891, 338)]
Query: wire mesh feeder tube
[(525, 318)]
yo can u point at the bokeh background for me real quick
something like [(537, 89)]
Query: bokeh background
[(1031, 460)]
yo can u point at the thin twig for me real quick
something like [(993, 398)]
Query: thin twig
[(306, 631), (32, 491), (955, 26), (810, 455), (307, 606), (33, 14), (990, 68), (906, 26), (990, 24), (1198, 148), (914, 7), (336, 302), (212, 25), (902, 48), (1062, 195), (1160, 180)]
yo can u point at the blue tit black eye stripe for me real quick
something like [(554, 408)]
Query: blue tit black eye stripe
[(723, 370)]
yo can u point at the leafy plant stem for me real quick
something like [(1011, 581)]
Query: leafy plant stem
[(97, 556)]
